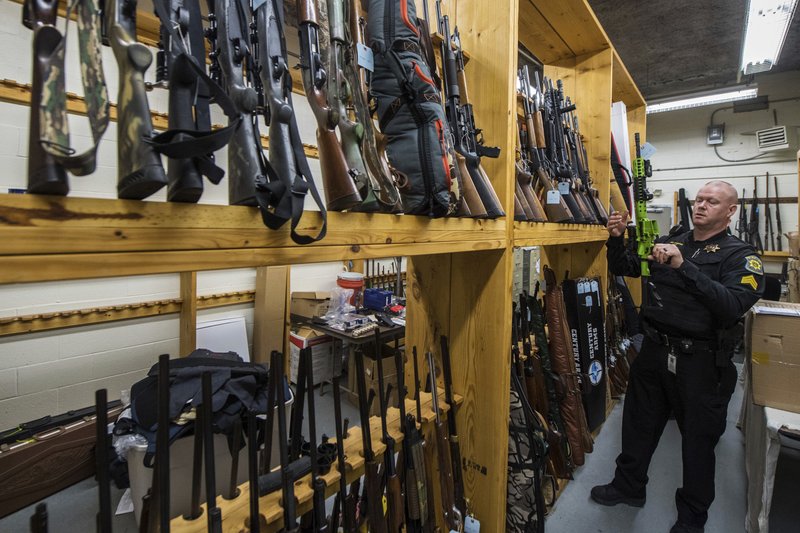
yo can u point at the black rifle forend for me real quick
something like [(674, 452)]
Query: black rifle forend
[(140, 171), (232, 53), (288, 177), (296, 470)]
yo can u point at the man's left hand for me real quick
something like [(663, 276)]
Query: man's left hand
[(667, 254)]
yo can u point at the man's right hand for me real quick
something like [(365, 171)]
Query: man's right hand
[(617, 222)]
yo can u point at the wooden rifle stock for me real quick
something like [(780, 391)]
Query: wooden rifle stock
[(341, 192), (556, 212), (522, 212), (468, 190)]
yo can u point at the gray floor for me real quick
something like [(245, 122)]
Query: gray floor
[(74, 509), (574, 512)]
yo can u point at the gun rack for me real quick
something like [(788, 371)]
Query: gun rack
[(236, 512), (460, 271)]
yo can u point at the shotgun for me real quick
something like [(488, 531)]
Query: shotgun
[(214, 512), (338, 180), (372, 477), (101, 458), (769, 235), (452, 516), (254, 524)]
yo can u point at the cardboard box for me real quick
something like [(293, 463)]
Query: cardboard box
[(321, 353), (774, 340), (310, 304)]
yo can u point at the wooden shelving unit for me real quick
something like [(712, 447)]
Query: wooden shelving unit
[(459, 271)]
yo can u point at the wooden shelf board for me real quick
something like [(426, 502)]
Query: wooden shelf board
[(547, 234), (624, 89), (553, 31), (38, 224), (775, 255)]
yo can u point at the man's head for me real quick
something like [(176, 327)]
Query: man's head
[(714, 206)]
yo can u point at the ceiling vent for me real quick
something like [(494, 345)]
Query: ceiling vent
[(775, 138)]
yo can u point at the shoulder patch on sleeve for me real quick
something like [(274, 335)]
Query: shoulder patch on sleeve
[(752, 263), (750, 280)]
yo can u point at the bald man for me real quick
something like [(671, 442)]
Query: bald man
[(701, 283)]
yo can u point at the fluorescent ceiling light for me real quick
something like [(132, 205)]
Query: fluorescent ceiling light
[(702, 99), (765, 31)]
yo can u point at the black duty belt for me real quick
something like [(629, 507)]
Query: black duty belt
[(684, 344)]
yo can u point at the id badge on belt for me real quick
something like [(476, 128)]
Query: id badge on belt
[(671, 361)]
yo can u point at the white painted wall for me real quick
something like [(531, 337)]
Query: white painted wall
[(685, 160), (48, 373)]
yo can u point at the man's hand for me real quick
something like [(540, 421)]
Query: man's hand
[(667, 254), (617, 223)]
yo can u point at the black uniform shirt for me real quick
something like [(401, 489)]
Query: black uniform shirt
[(719, 280)]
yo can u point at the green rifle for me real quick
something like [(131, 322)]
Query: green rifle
[(646, 229)]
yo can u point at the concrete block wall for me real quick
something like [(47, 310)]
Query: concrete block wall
[(52, 372), (685, 160)]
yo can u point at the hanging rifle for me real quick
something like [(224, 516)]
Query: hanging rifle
[(468, 146), (288, 176), (469, 202), (372, 478), (554, 203), (754, 238), (45, 175), (778, 215), (346, 90), (181, 24), (139, 166), (232, 60), (769, 235), (338, 180), (104, 515), (524, 183), (161, 471), (452, 516)]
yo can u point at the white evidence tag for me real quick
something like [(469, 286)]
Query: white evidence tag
[(471, 525), (553, 197), (366, 58), (671, 363), (563, 187)]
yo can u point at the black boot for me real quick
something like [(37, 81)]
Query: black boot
[(680, 527), (611, 495)]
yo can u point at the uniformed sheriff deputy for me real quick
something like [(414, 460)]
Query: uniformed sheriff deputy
[(702, 282)]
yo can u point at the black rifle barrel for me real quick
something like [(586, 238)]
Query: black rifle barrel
[(778, 215), (214, 513), (287, 483), (317, 484), (101, 458), (254, 526), (455, 447), (162, 442), (347, 520)]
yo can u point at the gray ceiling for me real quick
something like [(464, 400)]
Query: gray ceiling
[(683, 46)]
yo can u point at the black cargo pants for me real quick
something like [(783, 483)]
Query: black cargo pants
[(698, 393)]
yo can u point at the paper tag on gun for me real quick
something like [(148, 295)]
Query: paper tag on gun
[(366, 58), (553, 197), (647, 150), (471, 525), (563, 187)]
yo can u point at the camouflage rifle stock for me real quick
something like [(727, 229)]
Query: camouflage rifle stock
[(340, 188), (45, 175), (231, 51), (139, 166)]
